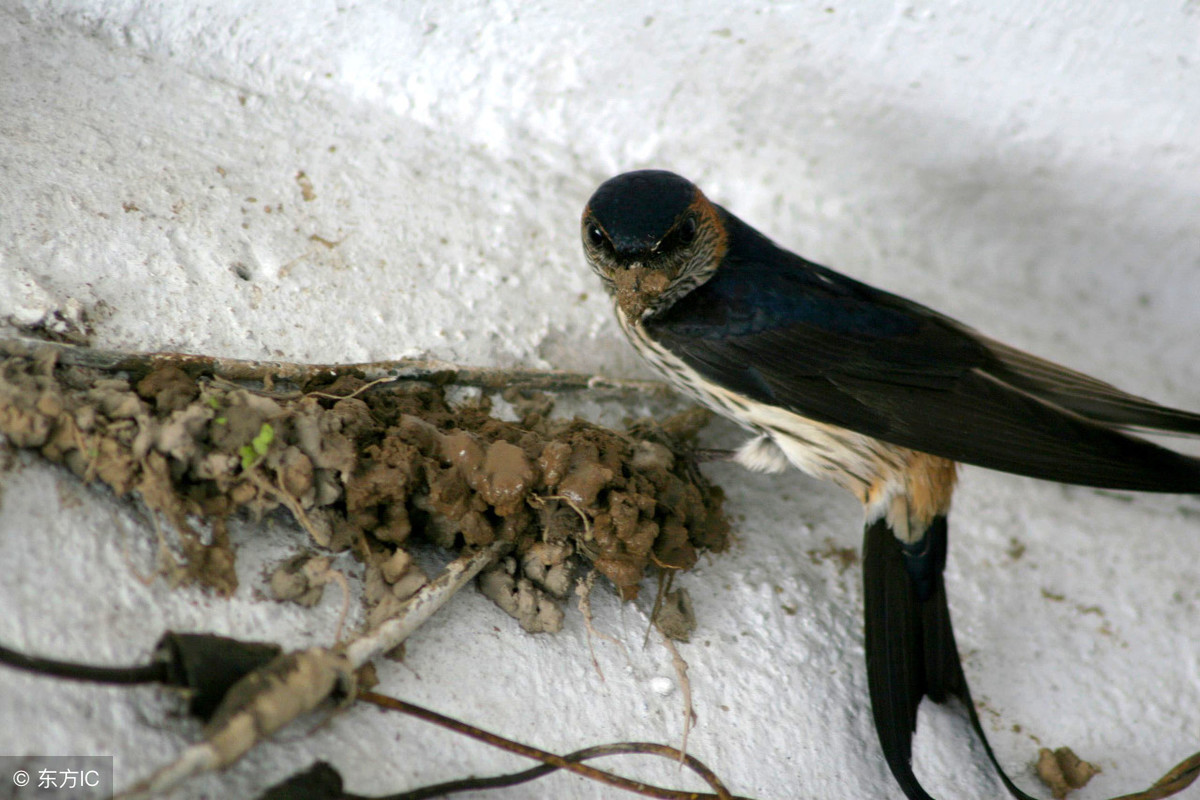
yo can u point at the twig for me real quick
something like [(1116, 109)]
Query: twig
[(583, 588), (167, 562), (284, 496), (665, 579), (540, 500), (533, 773), (491, 379), (685, 686), (355, 393), (388, 634)]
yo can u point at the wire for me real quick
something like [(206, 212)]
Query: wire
[(551, 761), (515, 778), (155, 672)]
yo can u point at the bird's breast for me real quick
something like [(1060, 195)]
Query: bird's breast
[(679, 373)]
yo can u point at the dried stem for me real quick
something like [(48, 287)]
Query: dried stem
[(492, 379), (386, 636)]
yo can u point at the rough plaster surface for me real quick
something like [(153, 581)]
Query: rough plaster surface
[(1032, 170)]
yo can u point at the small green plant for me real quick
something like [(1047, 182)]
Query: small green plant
[(258, 446)]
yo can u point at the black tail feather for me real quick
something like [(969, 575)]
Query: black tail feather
[(911, 652)]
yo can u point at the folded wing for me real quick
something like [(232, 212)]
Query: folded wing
[(784, 331)]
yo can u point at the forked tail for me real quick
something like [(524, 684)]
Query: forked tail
[(911, 652)]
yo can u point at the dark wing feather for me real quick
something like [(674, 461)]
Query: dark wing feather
[(787, 332), (1086, 395)]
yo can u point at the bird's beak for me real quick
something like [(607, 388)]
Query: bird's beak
[(637, 287)]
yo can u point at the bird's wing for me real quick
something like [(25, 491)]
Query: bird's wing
[(789, 333), (1086, 395)]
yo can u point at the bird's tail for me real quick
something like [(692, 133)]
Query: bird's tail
[(911, 653)]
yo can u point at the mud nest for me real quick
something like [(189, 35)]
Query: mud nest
[(371, 467)]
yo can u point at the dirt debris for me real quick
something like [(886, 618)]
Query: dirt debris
[(1062, 771), (676, 617), (549, 566), (293, 579), (69, 323), (531, 607), (369, 468), (843, 558), (638, 287), (170, 388)]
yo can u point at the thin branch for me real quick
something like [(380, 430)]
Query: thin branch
[(388, 635), (685, 685), (492, 379)]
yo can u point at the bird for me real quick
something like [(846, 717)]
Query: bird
[(879, 394)]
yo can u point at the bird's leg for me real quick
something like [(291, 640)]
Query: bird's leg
[(704, 455)]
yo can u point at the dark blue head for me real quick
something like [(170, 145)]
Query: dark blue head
[(651, 236), (636, 210)]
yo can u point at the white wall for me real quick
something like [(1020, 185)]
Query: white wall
[(1034, 171)]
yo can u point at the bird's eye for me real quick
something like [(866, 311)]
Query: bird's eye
[(595, 235), (687, 230)]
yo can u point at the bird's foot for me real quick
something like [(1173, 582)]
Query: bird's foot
[(704, 455)]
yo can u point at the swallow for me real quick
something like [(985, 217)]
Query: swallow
[(876, 393)]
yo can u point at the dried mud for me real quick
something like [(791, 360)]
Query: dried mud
[(1062, 771), (637, 288), (370, 467)]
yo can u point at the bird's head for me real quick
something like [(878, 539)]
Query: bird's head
[(652, 237)]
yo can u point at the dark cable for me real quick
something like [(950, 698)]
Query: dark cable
[(155, 672), (514, 778), (558, 762)]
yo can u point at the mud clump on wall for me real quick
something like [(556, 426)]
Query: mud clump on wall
[(371, 467)]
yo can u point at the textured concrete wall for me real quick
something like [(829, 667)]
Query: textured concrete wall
[(1033, 170)]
